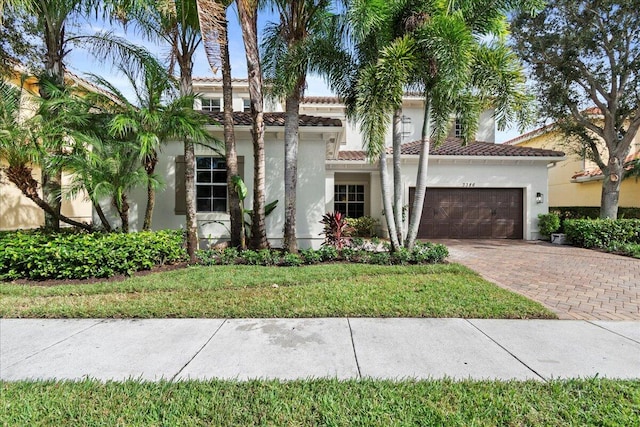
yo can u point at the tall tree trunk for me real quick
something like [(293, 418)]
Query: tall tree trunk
[(21, 176), (150, 167), (185, 62), (231, 154), (386, 201), (613, 174), (397, 174), (247, 12), (291, 125), (421, 179), (54, 68)]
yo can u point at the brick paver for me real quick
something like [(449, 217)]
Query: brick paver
[(575, 283)]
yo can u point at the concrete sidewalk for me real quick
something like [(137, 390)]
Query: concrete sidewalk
[(179, 349)]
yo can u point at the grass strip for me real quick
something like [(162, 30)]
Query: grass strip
[(322, 402), (335, 290)]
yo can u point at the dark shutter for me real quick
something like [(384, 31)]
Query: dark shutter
[(241, 167), (181, 191)]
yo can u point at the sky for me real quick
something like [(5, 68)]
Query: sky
[(80, 62)]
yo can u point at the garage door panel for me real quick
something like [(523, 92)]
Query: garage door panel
[(472, 213)]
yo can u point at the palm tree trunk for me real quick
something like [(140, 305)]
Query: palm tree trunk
[(247, 12), (191, 222), (151, 202), (235, 209), (397, 174), (150, 167), (123, 212), (21, 177), (54, 68), (291, 125), (103, 219), (386, 202), (421, 179)]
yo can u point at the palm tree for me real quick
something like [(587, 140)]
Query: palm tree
[(296, 45), (248, 14), (51, 19), (454, 54), (24, 141), (176, 24), (150, 123), (214, 29)]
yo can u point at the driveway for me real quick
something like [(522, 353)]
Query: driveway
[(574, 283)]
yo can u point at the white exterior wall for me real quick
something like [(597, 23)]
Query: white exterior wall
[(530, 175), (214, 226), (464, 172)]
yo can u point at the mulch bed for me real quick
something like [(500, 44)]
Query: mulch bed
[(91, 280)]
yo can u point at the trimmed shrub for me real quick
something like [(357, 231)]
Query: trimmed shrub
[(39, 256), (365, 226), (548, 223), (600, 233)]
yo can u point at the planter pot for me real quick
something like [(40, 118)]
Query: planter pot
[(559, 238)]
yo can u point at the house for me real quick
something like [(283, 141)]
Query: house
[(16, 210), (482, 190), (577, 181)]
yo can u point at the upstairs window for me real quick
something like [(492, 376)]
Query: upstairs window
[(211, 104), (349, 199), (458, 132), (246, 105), (211, 184)]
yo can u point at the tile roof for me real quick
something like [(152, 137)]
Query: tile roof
[(321, 100), (217, 80), (596, 173), (273, 119), (454, 147)]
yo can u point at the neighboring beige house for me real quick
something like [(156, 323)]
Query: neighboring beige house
[(577, 181), (483, 190), (16, 210)]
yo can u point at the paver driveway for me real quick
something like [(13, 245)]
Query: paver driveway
[(575, 283)]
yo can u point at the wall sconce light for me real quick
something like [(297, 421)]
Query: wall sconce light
[(539, 198)]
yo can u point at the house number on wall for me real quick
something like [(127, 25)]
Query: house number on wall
[(468, 184)]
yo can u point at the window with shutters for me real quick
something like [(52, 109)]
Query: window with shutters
[(349, 199), (211, 184)]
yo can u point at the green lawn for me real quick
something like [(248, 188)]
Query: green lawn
[(333, 290), (592, 402)]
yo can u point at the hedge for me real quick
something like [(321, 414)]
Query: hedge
[(39, 256), (422, 253), (601, 233), (579, 212)]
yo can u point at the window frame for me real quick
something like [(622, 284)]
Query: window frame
[(347, 202), (214, 107), (214, 161)]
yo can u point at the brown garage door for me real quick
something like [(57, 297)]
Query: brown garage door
[(471, 213)]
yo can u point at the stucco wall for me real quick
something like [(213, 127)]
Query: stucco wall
[(213, 226), (19, 212), (563, 192), (529, 175)]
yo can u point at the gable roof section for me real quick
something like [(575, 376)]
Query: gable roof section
[(273, 119), (454, 147)]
